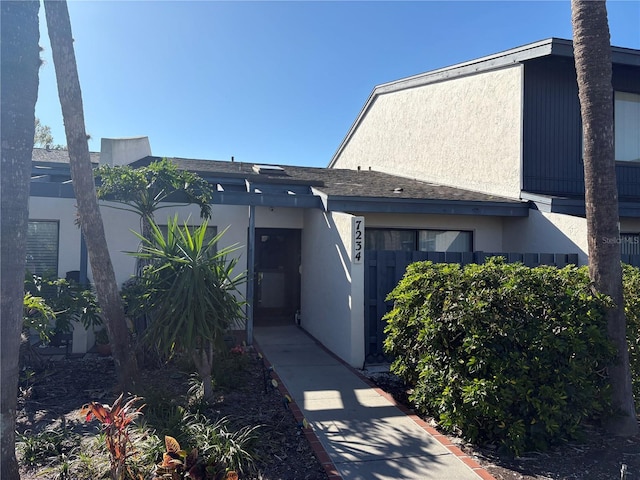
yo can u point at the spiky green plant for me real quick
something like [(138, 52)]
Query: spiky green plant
[(191, 293)]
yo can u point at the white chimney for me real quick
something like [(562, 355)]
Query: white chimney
[(123, 151)]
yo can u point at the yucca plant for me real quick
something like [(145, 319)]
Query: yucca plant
[(191, 293)]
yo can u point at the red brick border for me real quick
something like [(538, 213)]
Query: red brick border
[(320, 451), (315, 444)]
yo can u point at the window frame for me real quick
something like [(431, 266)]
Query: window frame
[(30, 240), (416, 237), (616, 122)]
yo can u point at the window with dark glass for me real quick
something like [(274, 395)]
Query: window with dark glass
[(423, 240), (42, 247)]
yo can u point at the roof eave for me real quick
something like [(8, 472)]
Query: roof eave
[(425, 206)]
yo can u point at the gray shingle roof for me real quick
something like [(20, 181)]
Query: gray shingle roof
[(357, 190), (58, 156), (335, 182)]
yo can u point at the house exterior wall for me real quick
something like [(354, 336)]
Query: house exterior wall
[(64, 211), (552, 129), (543, 232), (487, 231), (332, 293), (463, 132), (278, 217)]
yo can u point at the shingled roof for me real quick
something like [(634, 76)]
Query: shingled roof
[(313, 187), (55, 155)]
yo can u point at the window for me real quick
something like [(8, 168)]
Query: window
[(423, 240), (42, 247), (444, 241), (627, 126)]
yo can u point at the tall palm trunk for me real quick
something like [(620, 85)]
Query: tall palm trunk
[(592, 51), (59, 27), (19, 92)]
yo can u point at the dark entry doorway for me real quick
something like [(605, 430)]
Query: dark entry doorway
[(277, 276)]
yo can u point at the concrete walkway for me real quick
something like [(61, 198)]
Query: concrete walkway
[(361, 431)]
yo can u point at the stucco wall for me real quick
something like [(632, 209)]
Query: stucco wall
[(332, 287), (547, 233), (464, 132), (63, 210), (487, 231), (279, 217)]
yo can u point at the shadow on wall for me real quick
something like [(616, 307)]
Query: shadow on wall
[(546, 233)]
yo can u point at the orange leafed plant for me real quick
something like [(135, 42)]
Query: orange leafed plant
[(115, 420), (177, 464)]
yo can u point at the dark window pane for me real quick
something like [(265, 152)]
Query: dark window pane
[(444, 241), (42, 247), (380, 239)]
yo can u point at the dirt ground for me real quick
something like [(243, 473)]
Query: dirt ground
[(281, 450), (63, 386)]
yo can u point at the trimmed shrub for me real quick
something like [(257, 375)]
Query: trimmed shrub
[(631, 286), (502, 353)]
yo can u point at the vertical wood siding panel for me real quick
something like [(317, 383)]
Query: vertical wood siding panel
[(552, 156)]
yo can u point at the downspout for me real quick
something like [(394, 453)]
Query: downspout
[(251, 248)]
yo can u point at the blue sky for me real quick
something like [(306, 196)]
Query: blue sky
[(275, 82)]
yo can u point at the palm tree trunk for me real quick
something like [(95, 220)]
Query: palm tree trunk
[(59, 27), (19, 92), (592, 51)]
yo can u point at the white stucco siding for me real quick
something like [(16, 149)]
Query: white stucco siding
[(332, 287), (542, 232), (487, 231), (279, 217), (463, 132)]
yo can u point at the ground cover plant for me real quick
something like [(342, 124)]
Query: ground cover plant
[(500, 353), (246, 429)]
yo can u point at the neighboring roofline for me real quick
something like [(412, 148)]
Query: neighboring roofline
[(574, 206), (550, 46)]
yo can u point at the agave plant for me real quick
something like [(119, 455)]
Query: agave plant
[(191, 293)]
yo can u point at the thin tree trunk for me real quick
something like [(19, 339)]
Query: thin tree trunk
[(203, 358), (19, 92), (59, 27), (592, 51)]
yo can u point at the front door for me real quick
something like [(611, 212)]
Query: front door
[(277, 276)]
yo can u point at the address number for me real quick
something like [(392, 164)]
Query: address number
[(358, 239)]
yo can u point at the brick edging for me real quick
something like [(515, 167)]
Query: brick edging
[(439, 437), (315, 444)]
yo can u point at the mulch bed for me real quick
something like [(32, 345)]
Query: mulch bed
[(59, 390)]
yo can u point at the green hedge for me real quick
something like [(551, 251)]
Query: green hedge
[(503, 353), (631, 286)]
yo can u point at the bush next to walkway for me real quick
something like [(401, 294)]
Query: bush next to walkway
[(502, 353), (631, 286)]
